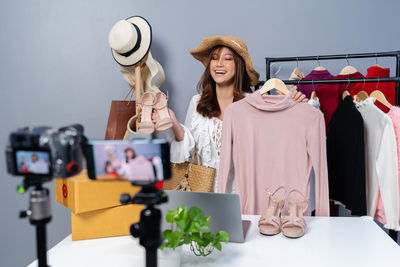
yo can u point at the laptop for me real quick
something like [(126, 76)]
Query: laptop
[(224, 210)]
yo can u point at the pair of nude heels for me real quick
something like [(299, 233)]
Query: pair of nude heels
[(293, 225), (148, 102)]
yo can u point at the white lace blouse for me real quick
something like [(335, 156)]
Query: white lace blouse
[(205, 133)]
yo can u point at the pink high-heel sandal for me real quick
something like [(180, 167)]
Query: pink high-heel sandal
[(160, 104), (294, 225), (270, 222), (146, 125)]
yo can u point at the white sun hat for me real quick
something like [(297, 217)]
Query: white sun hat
[(130, 40)]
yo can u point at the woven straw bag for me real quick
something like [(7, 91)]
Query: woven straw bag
[(189, 176)]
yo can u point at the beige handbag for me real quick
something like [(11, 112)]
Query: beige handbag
[(189, 176)]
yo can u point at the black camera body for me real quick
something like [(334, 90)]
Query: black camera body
[(43, 153)]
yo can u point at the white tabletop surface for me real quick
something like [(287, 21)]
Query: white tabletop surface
[(328, 241)]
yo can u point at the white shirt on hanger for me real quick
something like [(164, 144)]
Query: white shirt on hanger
[(381, 162)]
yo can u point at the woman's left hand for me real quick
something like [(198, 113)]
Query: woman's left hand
[(299, 97)]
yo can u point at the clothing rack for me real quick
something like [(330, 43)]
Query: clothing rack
[(396, 79)]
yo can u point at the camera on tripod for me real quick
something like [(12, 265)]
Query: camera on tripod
[(41, 153)]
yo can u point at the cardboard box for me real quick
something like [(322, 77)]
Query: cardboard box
[(104, 223), (96, 211), (80, 194)]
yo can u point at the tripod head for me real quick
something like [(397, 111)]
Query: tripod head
[(39, 212), (149, 195), (149, 228)]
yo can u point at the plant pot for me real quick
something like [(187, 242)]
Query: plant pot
[(169, 257)]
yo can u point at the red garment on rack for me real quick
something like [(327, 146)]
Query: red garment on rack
[(388, 89), (330, 94)]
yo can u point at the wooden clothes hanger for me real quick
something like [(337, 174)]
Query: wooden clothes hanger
[(313, 93), (346, 93), (274, 83), (299, 75), (319, 67), (348, 69), (376, 62), (381, 98), (362, 95), (298, 72)]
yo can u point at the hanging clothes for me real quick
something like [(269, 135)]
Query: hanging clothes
[(273, 141), (388, 89), (307, 89), (381, 162), (329, 95), (297, 75), (394, 114), (346, 158)]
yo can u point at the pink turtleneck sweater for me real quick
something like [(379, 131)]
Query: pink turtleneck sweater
[(273, 141)]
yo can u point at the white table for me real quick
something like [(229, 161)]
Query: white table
[(329, 241)]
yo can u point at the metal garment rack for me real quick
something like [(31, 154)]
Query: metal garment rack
[(396, 79)]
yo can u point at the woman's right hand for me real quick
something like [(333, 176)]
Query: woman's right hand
[(156, 117), (176, 127)]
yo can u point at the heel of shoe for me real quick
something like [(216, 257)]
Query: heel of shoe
[(146, 103), (294, 225), (270, 222), (161, 105)]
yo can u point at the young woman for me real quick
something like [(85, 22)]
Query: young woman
[(123, 168), (227, 78)]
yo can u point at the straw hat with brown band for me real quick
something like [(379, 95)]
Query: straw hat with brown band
[(202, 52)]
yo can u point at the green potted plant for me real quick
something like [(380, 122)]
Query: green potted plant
[(190, 227)]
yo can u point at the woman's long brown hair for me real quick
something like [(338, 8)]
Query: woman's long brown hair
[(208, 104)]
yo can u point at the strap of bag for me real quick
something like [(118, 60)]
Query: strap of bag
[(195, 153), (184, 184)]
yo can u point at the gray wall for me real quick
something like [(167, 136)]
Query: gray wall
[(56, 66)]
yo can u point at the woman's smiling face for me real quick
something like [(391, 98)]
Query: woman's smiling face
[(222, 66)]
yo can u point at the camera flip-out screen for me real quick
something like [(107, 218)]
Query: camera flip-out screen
[(36, 162), (139, 162)]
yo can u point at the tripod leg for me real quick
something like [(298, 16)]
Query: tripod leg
[(41, 244), (151, 257)]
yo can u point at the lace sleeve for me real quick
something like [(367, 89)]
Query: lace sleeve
[(181, 151)]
